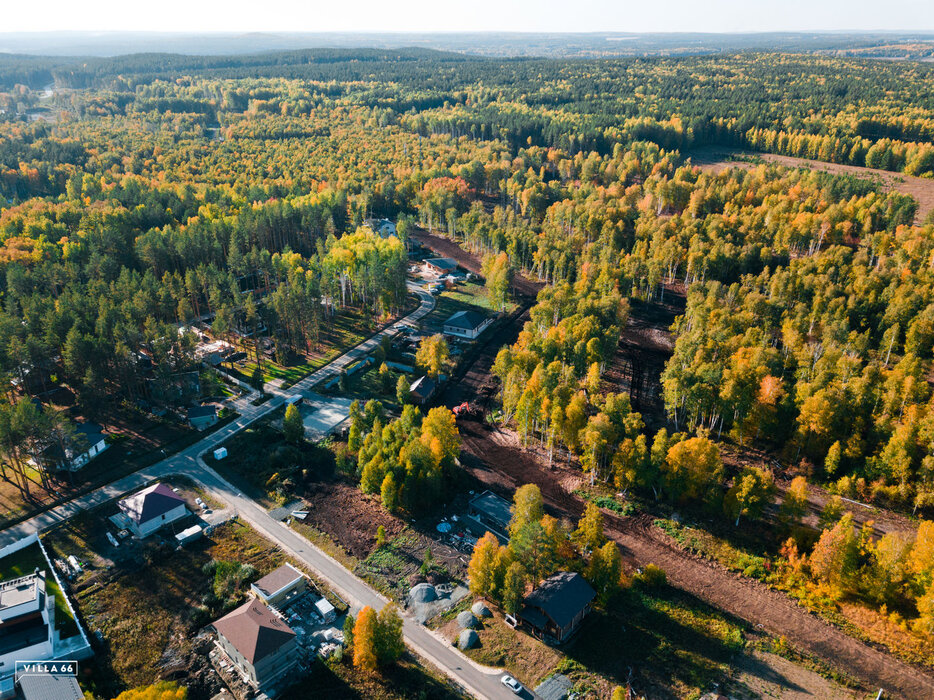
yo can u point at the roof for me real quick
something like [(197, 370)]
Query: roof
[(254, 631), (442, 263), (24, 589), (466, 319), (423, 386), (561, 597), (494, 507), (558, 687), (92, 431), (202, 411), (46, 686), (275, 581), (150, 503)]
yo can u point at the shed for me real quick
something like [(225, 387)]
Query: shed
[(189, 534), (325, 609), (220, 453)]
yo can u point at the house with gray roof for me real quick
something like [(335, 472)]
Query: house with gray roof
[(554, 611), (467, 324)]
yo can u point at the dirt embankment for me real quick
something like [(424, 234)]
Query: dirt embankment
[(921, 188)]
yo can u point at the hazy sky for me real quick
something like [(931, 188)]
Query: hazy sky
[(469, 15)]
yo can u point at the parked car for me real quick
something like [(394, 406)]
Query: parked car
[(511, 683)]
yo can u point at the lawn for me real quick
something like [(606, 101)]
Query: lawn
[(475, 295), (26, 561)]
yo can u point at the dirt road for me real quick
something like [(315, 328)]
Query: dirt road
[(921, 188)]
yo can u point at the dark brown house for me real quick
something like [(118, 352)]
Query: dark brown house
[(554, 611)]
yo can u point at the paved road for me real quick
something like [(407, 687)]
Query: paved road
[(477, 680), (187, 457)]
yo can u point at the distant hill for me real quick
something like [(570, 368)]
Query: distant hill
[(489, 44)]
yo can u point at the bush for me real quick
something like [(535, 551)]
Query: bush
[(651, 576)]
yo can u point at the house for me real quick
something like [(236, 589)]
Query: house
[(422, 389), (262, 647), (489, 513), (280, 586), (201, 417), (555, 610), (383, 227), (72, 454), (467, 324), (32, 626), (152, 508), (440, 266)]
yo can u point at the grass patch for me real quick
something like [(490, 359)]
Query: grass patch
[(269, 469)]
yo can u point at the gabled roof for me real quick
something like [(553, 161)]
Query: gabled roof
[(275, 581), (150, 503), (561, 597), (92, 431), (468, 320), (423, 386), (254, 631), (442, 263), (47, 686), (201, 411)]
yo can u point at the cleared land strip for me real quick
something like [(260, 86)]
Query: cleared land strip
[(921, 188)]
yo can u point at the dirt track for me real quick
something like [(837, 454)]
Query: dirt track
[(921, 188), (494, 457)]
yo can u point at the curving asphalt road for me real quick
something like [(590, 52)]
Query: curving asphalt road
[(479, 681)]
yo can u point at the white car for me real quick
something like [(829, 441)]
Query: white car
[(511, 683), (199, 501)]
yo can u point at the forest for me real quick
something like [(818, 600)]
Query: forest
[(147, 192)]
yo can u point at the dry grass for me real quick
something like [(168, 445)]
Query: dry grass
[(527, 659), (148, 614), (890, 631)]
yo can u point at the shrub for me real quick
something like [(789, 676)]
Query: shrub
[(651, 576)]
